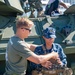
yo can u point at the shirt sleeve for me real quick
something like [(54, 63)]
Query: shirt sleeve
[(62, 56), (21, 48)]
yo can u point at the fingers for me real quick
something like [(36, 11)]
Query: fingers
[(55, 55), (59, 61), (47, 64)]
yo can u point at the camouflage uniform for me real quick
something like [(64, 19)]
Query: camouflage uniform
[(36, 4)]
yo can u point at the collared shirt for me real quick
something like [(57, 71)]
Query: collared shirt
[(16, 56), (56, 48)]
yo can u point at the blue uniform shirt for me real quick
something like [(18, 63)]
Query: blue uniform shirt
[(55, 47)]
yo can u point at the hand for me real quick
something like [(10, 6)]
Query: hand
[(55, 55), (59, 61), (47, 64)]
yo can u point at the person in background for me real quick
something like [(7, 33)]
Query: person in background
[(18, 51), (48, 47), (36, 4), (53, 5)]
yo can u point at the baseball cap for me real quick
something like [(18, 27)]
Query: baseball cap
[(49, 32)]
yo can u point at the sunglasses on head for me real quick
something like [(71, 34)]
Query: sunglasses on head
[(27, 29)]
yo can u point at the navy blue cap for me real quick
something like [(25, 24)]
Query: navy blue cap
[(49, 32)]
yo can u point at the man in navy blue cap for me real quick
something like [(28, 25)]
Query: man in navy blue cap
[(48, 47)]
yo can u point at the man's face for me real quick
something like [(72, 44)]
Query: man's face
[(25, 31), (49, 40)]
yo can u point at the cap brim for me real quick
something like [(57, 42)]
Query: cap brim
[(52, 36)]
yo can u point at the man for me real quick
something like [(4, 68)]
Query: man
[(18, 51), (36, 4), (49, 47), (53, 6)]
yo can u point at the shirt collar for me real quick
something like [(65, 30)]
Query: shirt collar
[(53, 46)]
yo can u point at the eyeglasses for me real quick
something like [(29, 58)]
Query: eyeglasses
[(27, 29)]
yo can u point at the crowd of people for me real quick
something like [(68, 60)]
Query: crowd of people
[(51, 7)]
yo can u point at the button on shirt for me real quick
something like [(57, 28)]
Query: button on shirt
[(55, 47)]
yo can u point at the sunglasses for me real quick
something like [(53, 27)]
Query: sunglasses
[(27, 29)]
